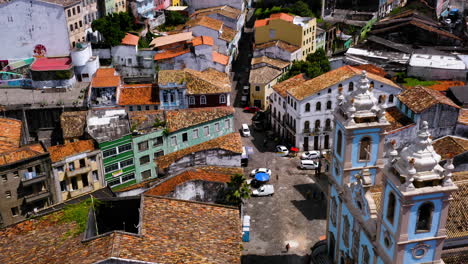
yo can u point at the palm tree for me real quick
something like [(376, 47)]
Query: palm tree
[(237, 190)]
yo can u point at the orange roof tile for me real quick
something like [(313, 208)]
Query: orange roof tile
[(138, 94), (398, 121), (106, 72), (443, 86), (284, 86), (220, 58), (372, 69), (421, 98), (60, 152), (279, 43), (206, 21), (225, 10), (209, 81), (203, 40), (130, 39), (10, 134), (25, 152), (283, 16), (170, 53), (450, 145), (170, 39), (228, 34), (105, 77), (183, 118), (463, 116)]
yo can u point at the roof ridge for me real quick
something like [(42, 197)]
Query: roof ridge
[(190, 201)]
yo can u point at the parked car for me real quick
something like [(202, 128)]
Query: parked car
[(265, 170), (251, 109), (264, 190), (282, 151), (259, 116), (312, 154), (245, 130), (245, 90), (309, 164), (244, 100)]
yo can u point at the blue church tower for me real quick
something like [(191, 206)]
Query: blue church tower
[(383, 211)]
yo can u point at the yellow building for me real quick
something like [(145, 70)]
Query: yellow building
[(176, 3), (295, 30), (120, 6)]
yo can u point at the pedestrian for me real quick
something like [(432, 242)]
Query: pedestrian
[(287, 247)]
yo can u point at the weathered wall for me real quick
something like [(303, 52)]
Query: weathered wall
[(437, 74), (442, 120), (461, 130), (201, 191), (54, 83)]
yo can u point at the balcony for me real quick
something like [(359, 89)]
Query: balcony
[(30, 178), (71, 173), (306, 131), (37, 196), (327, 128)]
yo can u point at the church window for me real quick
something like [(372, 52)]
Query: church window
[(306, 125), (329, 105), (350, 87), (371, 85), (317, 124), (364, 148), (391, 207), (307, 107), (339, 142), (346, 231), (391, 98), (318, 106), (423, 223)]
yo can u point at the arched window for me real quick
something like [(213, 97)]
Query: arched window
[(364, 148), (329, 90), (328, 123), (350, 86), (202, 99), (307, 107), (423, 223), (191, 100), (222, 99), (318, 106), (381, 98), (329, 105), (317, 123), (390, 98), (339, 142), (371, 85), (391, 207), (307, 125)]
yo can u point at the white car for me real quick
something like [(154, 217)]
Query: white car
[(309, 164), (245, 130), (282, 151), (265, 170), (313, 154), (264, 190)]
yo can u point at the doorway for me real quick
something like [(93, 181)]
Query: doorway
[(306, 143), (316, 142), (326, 142)]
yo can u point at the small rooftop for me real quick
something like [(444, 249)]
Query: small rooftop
[(145, 120), (263, 75), (51, 64), (228, 34), (460, 93), (105, 77), (22, 153), (130, 40), (397, 120), (463, 116), (421, 98), (450, 145), (220, 58), (203, 40), (279, 64), (73, 123), (107, 125), (139, 94), (207, 22), (170, 39), (278, 43), (60, 152), (209, 81), (282, 16), (225, 10), (172, 53), (437, 62), (10, 134), (185, 118)]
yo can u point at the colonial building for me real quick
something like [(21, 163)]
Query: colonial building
[(383, 211), (278, 49), (139, 97), (301, 108), (104, 88)]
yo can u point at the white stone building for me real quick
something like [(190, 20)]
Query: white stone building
[(85, 63), (301, 109)]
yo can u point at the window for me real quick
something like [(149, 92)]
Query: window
[(146, 174), (371, 84), (111, 167), (71, 166), (60, 168), (222, 99), (76, 27), (328, 123), (78, 9), (184, 137), (144, 160), (114, 182), (317, 124), (95, 175), (329, 90), (202, 99), (306, 125), (334, 209), (391, 207), (381, 99), (130, 108), (272, 33), (350, 87), (69, 12), (295, 105), (364, 148), (159, 153), (391, 98), (191, 100), (71, 29), (147, 107), (227, 123), (73, 9), (206, 131), (257, 89), (307, 107), (195, 134), (318, 106), (126, 163), (84, 180), (139, 107), (173, 140), (329, 105), (4, 178), (158, 141), (365, 255), (423, 223), (216, 125), (14, 211), (74, 184), (8, 194), (128, 177), (346, 231), (81, 23), (339, 142), (82, 163), (142, 146), (63, 186), (125, 147), (109, 152)]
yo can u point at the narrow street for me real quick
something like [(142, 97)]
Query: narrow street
[(296, 213)]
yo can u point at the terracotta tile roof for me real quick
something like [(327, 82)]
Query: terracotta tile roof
[(280, 44), (228, 34), (282, 87), (230, 142), (450, 145), (205, 21), (105, 77), (398, 121), (225, 10), (139, 94), (443, 86), (264, 75), (203, 40), (261, 22), (458, 210), (372, 69), (213, 236), (222, 170), (60, 152), (455, 255), (51, 64), (376, 193), (209, 81), (172, 53), (463, 116), (282, 16), (130, 39), (73, 123), (144, 120), (330, 78), (220, 58), (184, 118), (22, 153), (170, 39), (421, 98), (169, 185), (10, 134), (280, 64)]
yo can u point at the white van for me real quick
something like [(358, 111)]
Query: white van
[(309, 164), (245, 130)]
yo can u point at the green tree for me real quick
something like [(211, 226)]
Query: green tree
[(302, 9), (315, 64), (237, 190), (113, 27), (175, 18)]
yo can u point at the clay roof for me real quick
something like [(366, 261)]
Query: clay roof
[(144, 120), (207, 22), (139, 94), (282, 87), (168, 54), (168, 186), (130, 39), (421, 98), (22, 153), (450, 145), (213, 236), (463, 116), (203, 40), (220, 58), (169, 39), (230, 142), (209, 81), (51, 64), (443, 86), (282, 16), (10, 134), (73, 123), (184, 118), (264, 74), (60, 152), (105, 77), (376, 193), (330, 78), (225, 10), (280, 64), (228, 34), (372, 69), (458, 210), (397, 120), (279, 43)]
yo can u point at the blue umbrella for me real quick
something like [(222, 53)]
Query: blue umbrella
[(262, 176)]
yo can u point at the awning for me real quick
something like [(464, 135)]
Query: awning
[(262, 176)]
